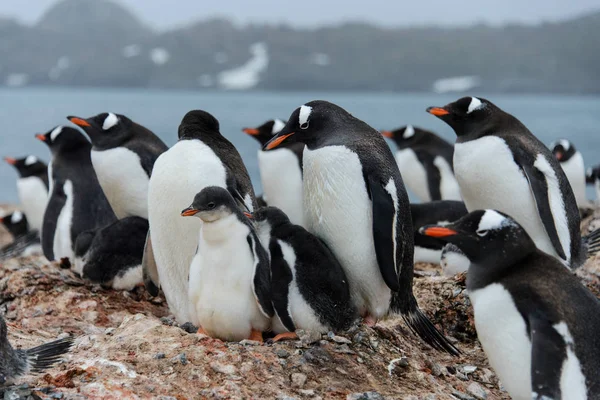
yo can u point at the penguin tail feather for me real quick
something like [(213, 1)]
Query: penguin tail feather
[(46, 355), (592, 242), (18, 246), (421, 326)]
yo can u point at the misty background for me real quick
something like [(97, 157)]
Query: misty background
[(434, 46)]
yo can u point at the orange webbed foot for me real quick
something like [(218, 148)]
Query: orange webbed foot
[(256, 336), (285, 336)]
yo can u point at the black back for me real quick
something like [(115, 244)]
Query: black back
[(421, 140), (30, 166), (434, 212), (71, 161)]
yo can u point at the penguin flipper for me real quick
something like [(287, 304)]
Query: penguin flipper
[(282, 276), (56, 202), (384, 220), (150, 271), (548, 352), (261, 282)]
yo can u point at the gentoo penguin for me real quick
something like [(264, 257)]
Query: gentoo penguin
[(112, 256), (283, 191), (355, 201), (571, 162), (230, 282), (593, 178), (453, 261), (429, 250), (123, 154), (536, 322), (309, 287), (32, 187), (25, 242), (202, 157), (15, 363), (501, 165), (425, 162), (76, 202)]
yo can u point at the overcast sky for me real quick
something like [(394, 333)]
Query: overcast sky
[(163, 14)]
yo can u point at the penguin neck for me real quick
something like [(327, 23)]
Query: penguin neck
[(225, 229), (490, 269)]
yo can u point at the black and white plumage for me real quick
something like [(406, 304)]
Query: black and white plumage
[(25, 241), (77, 202), (355, 201), (425, 162), (202, 157), (592, 177), (283, 191), (230, 282), (112, 256), (309, 287), (15, 363), (32, 187), (501, 165), (571, 161), (537, 323), (453, 261), (123, 155), (429, 250)]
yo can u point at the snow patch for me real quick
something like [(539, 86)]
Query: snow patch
[(246, 76), (132, 50), (16, 79), (456, 84), (159, 55), (221, 57), (320, 59), (206, 80)]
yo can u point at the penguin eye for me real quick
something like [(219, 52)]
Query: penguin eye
[(210, 205), (483, 232), (304, 125)]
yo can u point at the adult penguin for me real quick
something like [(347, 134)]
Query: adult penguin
[(355, 201), (77, 202), (202, 157), (123, 155), (571, 161)]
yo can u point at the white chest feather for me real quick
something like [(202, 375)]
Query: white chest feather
[(503, 336), (178, 175), (453, 263), (281, 179), (572, 380), (413, 173), (339, 211), (129, 278), (123, 180), (489, 178), (221, 298), (33, 196), (575, 172), (449, 188), (62, 246)]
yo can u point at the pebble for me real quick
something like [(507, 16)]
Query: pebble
[(189, 327), (180, 358), (247, 342), (159, 356), (338, 339), (308, 337), (225, 369), (469, 369), (365, 396), (63, 335), (307, 392), (298, 380), (281, 353), (110, 331), (477, 391), (167, 321), (461, 395), (361, 338)]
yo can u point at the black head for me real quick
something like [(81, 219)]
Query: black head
[(408, 136), (592, 175), (273, 215), (63, 139), (212, 204), (83, 242), (487, 237), (198, 124), (468, 115), (563, 150), (310, 124), (106, 130), (266, 131), (16, 223), (27, 166)]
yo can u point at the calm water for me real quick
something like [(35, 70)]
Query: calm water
[(24, 112)]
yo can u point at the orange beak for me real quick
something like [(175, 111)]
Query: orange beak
[(41, 137), (438, 232), (559, 156), (11, 161), (188, 212), (437, 111), (248, 215), (387, 134), (79, 121), (251, 131), (277, 141)]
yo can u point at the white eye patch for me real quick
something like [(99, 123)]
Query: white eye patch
[(30, 160), (110, 121), (409, 132), (277, 126), (16, 217), (492, 220), (303, 116), (54, 134), (475, 104), (565, 144)]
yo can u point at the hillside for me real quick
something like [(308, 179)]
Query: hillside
[(98, 43)]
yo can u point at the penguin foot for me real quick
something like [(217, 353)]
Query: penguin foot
[(370, 321), (256, 336), (202, 332), (285, 336)]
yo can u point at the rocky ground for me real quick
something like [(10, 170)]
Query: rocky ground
[(127, 347)]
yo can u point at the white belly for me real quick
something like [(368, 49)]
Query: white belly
[(503, 336), (62, 246), (123, 180), (221, 298), (281, 179), (178, 175), (575, 172), (453, 263), (449, 188), (33, 196), (490, 179), (128, 279), (413, 174), (339, 211), (425, 255)]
